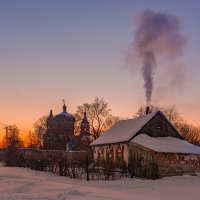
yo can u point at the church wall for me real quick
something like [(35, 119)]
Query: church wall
[(60, 131)]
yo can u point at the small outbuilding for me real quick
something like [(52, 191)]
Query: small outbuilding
[(150, 147)]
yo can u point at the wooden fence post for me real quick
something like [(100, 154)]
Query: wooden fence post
[(87, 168)]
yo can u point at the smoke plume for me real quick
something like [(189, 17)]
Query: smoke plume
[(157, 34)]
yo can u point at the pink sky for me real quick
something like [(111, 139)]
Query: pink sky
[(50, 51)]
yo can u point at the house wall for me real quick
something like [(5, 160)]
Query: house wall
[(146, 163), (158, 126), (149, 164), (177, 164), (115, 151), (142, 162)]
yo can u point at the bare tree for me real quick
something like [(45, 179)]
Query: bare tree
[(173, 116), (171, 113), (40, 127), (142, 110), (13, 138), (13, 142), (98, 115), (31, 140), (3, 142), (189, 132)]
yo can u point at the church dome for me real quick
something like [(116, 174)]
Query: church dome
[(63, 116)]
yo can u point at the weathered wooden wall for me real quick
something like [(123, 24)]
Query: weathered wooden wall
[(142, 163), (159, 127), (149, 164)]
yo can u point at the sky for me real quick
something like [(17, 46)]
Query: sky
[(74, 50)]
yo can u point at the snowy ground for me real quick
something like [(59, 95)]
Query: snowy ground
[(20, 183)]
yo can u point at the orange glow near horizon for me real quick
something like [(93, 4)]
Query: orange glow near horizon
[(24, 118)]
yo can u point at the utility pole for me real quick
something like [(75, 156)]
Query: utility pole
[(38, 134), (6, 136)]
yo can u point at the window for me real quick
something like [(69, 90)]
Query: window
[(181, 158), (120, 153)]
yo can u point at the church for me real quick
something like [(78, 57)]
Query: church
[(60, 132)]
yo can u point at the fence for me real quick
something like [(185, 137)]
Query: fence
[(78, 165)]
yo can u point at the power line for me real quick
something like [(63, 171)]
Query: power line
[(5, 125), (23, 131)]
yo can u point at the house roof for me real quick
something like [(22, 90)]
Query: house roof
[(166, 144), (124, 130)]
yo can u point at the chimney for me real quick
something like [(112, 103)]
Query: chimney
[(147, 110)]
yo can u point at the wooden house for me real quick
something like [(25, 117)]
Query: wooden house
[(149, 145)]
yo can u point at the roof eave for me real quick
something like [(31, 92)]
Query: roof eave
[(109, 143)]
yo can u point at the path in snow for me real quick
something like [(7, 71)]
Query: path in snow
[(21, 183)]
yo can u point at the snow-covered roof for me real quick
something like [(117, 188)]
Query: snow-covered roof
[(124, 130), (166, 144)]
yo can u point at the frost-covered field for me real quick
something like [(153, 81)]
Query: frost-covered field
[(20, 183)]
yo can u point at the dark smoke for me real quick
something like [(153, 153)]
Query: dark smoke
[(157, 34)]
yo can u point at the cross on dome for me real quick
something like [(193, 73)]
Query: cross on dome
[(63, 101), (64, 106)]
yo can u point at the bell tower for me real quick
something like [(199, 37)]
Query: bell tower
[(50, 120), (83, 140), (85, 126)]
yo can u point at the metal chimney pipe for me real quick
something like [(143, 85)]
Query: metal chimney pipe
[(147, 110)]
